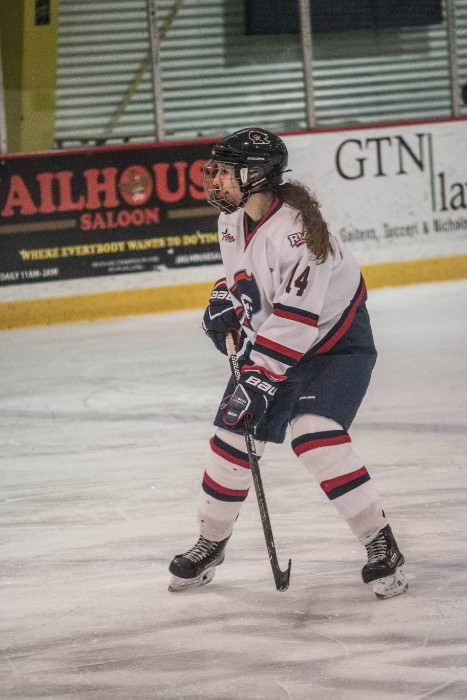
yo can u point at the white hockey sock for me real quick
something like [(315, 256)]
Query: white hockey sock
[(325, 449), (225, 486)]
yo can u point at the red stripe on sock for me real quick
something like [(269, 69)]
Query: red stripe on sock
[(228, 457), (223, 489), (331, 484), (323, 442)]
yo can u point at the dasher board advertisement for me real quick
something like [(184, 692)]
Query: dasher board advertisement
[(395, 192), (392, 192), (105, 211)]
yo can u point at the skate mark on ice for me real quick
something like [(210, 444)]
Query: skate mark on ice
[(443, 686), (95, 415), (394, 426)]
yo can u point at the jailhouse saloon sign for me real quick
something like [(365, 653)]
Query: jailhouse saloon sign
[(101, 211)]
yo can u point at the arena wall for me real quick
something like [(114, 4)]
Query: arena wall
[(116, 231)]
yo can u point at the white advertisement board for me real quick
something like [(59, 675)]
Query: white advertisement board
[(393, 192)]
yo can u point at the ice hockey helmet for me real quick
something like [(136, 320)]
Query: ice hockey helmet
[(259, 157)]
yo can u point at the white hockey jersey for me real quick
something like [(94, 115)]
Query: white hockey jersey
[(287, 303)]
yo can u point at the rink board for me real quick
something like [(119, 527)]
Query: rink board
[(395, 193), (87, 307)]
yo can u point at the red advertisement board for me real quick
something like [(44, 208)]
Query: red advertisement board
[(101, 211)]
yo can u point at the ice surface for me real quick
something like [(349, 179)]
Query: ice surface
[(104, 429)]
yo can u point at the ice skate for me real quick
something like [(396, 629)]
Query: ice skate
[(384, 566), (196, 567)]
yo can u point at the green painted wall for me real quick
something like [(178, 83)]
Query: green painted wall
[(29, 56)]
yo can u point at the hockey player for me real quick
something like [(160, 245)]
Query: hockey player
[(295, 292)]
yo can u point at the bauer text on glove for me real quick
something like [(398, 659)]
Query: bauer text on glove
[(220, 317), (253, 395)]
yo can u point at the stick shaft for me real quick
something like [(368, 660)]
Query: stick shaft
[(281, 578)]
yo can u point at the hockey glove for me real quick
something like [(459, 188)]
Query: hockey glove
[(253, 395), (220, 317)]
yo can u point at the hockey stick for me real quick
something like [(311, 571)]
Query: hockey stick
[(281, 578)]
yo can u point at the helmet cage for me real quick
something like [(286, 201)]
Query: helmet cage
[(215, 194)]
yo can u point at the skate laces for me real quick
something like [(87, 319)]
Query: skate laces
[(377, 549), (201, 549)]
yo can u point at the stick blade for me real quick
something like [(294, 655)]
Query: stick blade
[(282, 578)]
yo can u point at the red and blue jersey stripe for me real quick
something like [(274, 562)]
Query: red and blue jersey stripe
[(298, 315), (276, 351), (344, 323)]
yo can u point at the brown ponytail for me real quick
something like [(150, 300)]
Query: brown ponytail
[(315, 229)]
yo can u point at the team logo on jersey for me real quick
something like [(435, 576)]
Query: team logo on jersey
[(296, 239), (227, 237), (246, 291), (259, 137)]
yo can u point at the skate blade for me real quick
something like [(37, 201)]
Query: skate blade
[(390, 586), (177, 584)]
